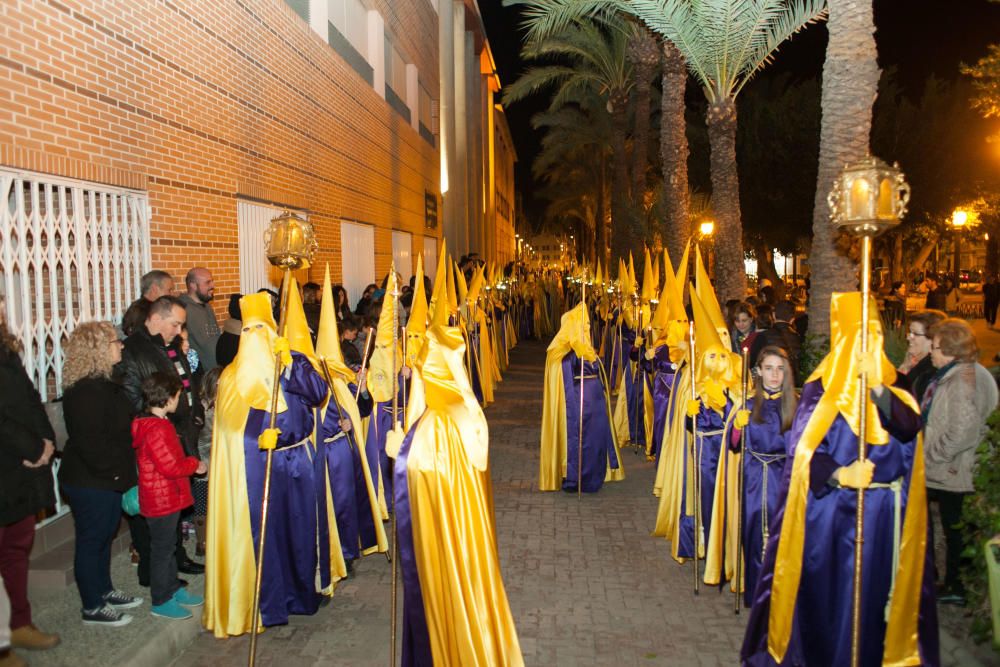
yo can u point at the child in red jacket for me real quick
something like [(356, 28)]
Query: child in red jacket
[(164, 490)]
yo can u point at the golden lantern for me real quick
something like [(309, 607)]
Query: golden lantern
[(290, 242), (868, 197)]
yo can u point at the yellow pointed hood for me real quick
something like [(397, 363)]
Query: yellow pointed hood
[(656, 271), (717, 368), (706, 294), (385, 361), (416, 326), (440, 278), (296, 327), (328, 336), (461, 286), (598, 276), (682, 270), (254, 362), (475, 287), (452, 296)]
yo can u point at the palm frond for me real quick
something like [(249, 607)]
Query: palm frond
[(543, 18), (797, 15), (535, 79)]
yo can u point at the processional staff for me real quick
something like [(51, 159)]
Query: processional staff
[(745, 381), (291, 244), (868, 197)]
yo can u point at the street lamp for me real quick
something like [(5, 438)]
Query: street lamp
[(959, 220), (707, 228)]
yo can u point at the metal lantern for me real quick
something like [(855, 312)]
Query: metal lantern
[(290, 242), (868, 197)]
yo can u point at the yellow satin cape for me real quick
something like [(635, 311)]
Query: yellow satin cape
[(838, 373), (573, 335), (469, 621)]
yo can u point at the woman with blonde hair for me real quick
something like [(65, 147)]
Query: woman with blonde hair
[(98, 466), (26, 448)]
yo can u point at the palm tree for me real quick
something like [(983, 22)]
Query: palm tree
[(595, 63), (850, 84), (726, 42), (644, 52)]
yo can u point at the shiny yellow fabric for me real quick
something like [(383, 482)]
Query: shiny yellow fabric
[(416, 325), (438, 293), (682, 270), (573, 335), (469, 621), (717, 369), (706, 293), (328, 336), (838, 373), (230, 565), (256, 352), (387, 359), (720, 551), (452, 295), (296, 327), (649, 287)]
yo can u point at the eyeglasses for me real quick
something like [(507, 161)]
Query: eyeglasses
[(915, 334)]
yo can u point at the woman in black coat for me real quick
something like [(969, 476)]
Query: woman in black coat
[(26, 486), (98, 466)]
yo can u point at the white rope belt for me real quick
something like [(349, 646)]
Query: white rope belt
[(765, 460), (896, 486), (335, 438)]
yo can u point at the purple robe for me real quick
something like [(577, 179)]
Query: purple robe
[(709, 439), (663, 373), (598, 440), (821, 629), (289, 582), (763, 470), (379, 424), (340, 454)]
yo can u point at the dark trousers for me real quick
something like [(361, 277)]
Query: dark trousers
[(162, 562), (16, 540), (950, 505), (139, 531), (96, 516)]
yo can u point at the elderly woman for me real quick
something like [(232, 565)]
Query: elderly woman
[(917, 367), (98, 466), (955, 405), (26, 448)]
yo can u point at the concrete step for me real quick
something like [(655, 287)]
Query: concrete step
[(51, 567)]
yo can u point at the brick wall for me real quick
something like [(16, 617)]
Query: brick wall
[(202, 103)]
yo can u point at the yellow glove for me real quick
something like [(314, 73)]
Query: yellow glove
[(268, 439), (694, 407), (282, 347), (651, 353), (638, 341), (869, 364), (393, 441), (741, 419), (858, 475)]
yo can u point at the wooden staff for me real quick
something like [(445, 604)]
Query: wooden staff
[(695, 480), (859, 527), (579, 450), (392, 466), (739, 483), (364, 361), (265, 502)]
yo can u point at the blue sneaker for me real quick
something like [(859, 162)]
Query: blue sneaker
[(188, 599), (170, 609)]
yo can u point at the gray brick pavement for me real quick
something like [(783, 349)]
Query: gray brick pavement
[(587, 584)]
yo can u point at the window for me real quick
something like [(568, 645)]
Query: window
[(402, 248), (70, 251), (430, 258), (350, 18), (357, 257), (425, 114), (301, 8), (395, 79), (256, 272)]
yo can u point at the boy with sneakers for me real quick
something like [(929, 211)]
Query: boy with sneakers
[(164, 490)]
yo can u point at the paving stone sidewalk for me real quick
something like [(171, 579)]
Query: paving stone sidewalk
[(587, 584)]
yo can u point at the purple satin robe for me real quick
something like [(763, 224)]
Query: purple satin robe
[(598, 440), (709, 440), (290, 563), (663, 373), (821, 629)]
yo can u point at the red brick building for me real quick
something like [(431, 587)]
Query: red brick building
[(138, 134)]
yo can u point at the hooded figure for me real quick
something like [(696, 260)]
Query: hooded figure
[(802, 607), (569, 354), (236, 482), (455, 608)]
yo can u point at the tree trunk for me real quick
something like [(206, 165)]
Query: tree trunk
[(850, 85), (640, 138), (766, 269), (674, 153), (621, 226), (600, 216), (730, 273), (896, 274)]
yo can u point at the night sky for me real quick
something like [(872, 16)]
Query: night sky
[(919, 37)]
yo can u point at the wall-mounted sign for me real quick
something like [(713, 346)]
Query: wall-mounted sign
[(430, 209)]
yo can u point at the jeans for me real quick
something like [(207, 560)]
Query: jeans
[(162, 562), (950, 505), (139, 531), (96, 515), (16, 540)]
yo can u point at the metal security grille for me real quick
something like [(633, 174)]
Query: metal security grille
[(70, 251)]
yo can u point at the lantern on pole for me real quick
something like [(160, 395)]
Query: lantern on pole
[(868, 198), (290, 244)]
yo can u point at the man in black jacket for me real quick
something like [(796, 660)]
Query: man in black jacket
[(782, 334), (155, 347)]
